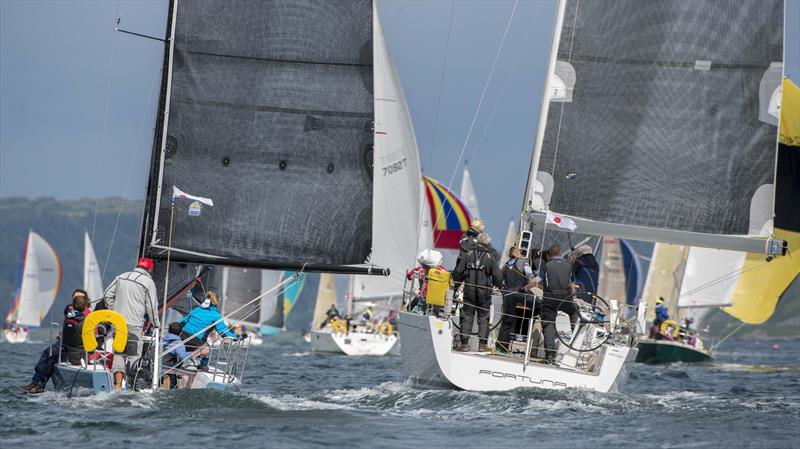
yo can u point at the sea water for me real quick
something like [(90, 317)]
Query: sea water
[(293, 398)]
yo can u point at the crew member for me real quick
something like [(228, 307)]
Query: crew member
[(199, 323), (175, 355), (558, 291), (662, 314), (585, 269), (67, 347), (133, 295), (517, 273), (478, 271), (469, 240)]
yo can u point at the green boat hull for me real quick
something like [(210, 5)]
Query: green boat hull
[(663, 351)]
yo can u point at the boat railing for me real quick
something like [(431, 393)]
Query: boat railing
[(580, 339), (229, 359)]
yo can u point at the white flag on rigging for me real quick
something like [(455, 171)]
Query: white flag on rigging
[(178, 193), (561, 221)]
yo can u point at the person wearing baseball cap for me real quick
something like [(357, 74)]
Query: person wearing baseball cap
[(133, 295)]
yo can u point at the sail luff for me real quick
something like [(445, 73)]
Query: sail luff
[(665, 276)]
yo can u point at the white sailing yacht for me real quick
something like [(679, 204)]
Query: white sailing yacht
[(37, 288), (395, 224), (633, 131)]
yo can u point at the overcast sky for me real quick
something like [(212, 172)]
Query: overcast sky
[(78, 99)]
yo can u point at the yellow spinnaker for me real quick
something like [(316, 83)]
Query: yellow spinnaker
[(760, 285)]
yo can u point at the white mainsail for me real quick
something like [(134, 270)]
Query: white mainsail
[(468, 195), (92, 279), (39, 283), (396, 188)]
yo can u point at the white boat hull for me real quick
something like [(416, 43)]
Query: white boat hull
[(429, 361), (354, 343), (16, 336)]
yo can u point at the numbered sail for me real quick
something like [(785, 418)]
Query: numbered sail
[(92, 279), (661, 121), (396, 195), (267, 113), (40, 280)]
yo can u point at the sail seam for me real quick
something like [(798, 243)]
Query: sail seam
[(224, 104), (283, 61)]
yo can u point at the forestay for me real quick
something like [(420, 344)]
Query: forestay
[(270, 115), (661, 121)]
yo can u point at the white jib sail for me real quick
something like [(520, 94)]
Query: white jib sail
[(41, 279), (396, 188), (92, 279), (468, 196)]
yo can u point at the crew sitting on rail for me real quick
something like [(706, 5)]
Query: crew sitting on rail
[(202, 320), (175, 355), (662, 314), (418, 276), (69, 346)]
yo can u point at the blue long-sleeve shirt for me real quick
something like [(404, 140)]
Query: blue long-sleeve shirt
[(661, 313), (179, 351), (200, 318)]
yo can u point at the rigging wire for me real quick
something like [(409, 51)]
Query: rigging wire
[(480, 103), (130, 164)]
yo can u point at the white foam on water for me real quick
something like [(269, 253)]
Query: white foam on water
[(292, 403)]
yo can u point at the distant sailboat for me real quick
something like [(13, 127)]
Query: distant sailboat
[(468, 195), (92, 278), (37, 288)]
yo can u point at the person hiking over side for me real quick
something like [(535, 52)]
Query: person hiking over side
[(200, 318)]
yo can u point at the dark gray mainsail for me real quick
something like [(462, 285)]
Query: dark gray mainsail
[(659, 120), (239, 287), (270, 115)]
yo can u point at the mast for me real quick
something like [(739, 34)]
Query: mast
[(543, 111)]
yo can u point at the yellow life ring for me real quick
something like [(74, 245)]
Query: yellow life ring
[(105, 316), (385, 328), (665, 328), (339, 326)]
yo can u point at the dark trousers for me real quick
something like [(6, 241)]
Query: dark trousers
[(513, 318), (475, 304), (44, 367), (550, 310)]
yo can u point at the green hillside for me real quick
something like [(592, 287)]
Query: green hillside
[(62, 223)]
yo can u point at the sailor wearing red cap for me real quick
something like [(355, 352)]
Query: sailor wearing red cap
[(133, 295)]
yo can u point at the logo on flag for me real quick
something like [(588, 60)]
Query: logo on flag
[(195, 209), (561, 221)]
